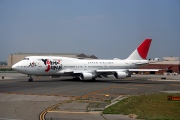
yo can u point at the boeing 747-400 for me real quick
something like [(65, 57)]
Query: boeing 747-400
[(84, 69)]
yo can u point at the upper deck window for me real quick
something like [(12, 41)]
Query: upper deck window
[(26, 59)]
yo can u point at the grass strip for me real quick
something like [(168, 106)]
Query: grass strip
[(149, 107)]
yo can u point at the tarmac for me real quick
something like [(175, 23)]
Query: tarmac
[(67, 99)]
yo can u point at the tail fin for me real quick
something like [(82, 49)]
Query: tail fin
[(141, 52)]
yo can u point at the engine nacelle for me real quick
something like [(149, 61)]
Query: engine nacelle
[(156, 59), (120, 75), (86, 76)]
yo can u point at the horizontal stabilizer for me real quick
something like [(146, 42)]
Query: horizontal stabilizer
[(145, 70)]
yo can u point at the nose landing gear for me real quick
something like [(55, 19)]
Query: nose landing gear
[(30, 79)]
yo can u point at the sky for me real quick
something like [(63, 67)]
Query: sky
[(105, 28)]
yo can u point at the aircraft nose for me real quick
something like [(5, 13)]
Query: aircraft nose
[(19, 67), (14, 67)]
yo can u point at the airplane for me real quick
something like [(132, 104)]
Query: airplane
[(83, 69)]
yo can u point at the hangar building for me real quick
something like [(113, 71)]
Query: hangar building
[(14, 58)]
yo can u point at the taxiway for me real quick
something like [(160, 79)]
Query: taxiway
[(65, 98)]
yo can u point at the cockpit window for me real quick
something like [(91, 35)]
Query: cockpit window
[(26, 59)]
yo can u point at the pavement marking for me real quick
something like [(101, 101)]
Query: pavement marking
[(148, 86), (132, 88), (165, 80), (140, 85), (170, 91), (19, 93), (96, 92), (9, 119), (106, 94), (143, 85), (118, 87), (175, 84), (91, 95), (72, 112), (42, 115)]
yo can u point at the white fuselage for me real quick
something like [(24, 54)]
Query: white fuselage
[(34, 65), (82, 68)]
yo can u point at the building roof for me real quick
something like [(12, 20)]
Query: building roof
[(48, 53), (167, 62), (79, 55), (170, 58)]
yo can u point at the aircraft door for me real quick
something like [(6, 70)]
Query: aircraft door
[(85, 67), (106, 66)]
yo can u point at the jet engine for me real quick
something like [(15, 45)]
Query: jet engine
[(121, 75), (86, 76)]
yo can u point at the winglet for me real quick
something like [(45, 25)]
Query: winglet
[(141, 52)]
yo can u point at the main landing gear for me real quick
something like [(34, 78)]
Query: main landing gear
[(30, 79), (93, 79)]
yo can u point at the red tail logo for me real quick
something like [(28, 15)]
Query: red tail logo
[(144, 48)]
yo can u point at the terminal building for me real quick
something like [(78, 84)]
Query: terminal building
[(14, 58)]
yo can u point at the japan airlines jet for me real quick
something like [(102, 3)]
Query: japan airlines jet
[(84, 69)]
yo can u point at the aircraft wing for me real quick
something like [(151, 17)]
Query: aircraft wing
[(114, 70), (108, 71)]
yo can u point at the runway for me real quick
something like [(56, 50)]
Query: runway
[(20, 98)]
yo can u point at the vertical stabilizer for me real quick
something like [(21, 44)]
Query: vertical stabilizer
[(141, 52)]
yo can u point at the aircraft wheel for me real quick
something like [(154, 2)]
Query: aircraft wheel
[(93, 79), (30, 79)]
